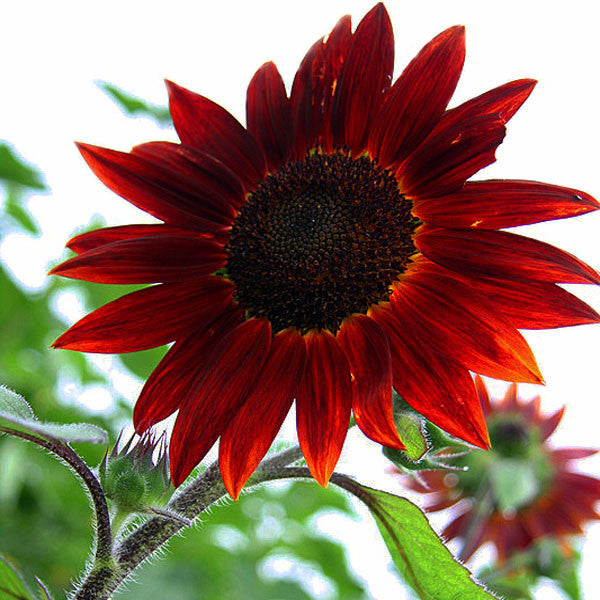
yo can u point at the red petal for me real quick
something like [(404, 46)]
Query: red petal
[(335, 54), (566, 454), (100, 237), (269, 115), (198, 174), (473, 535), (443, 504), (307, 100), (365, 75), (172, 381), (509, 537), (146, 260), (503, 101), (444, 162), (483, 395), (531, 410), (509, 402), (367, 350), (452, 319), (535, 305), (208, 127), (455, 527), (130, 323), (254, 427), (549, 424), (499, 203), (418, 99), (581, 484), (218, 393), (323, 405), (438, 388), (503, 255), (152, 189)]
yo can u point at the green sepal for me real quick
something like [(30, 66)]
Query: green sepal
[(411, 429), (427, 446)]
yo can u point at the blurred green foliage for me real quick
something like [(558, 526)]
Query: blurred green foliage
[(136, 107), (549, 559)]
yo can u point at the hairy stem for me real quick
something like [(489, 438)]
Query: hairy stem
[(103, 552), (189, 503)]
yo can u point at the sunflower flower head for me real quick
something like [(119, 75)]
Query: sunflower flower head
[(329, 251), (520, 493)]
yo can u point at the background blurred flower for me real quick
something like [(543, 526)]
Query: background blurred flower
[(519, 492)]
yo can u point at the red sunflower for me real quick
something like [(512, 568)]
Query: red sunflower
[(521, 490), (328, 251)]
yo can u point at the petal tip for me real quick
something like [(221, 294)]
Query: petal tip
[(232, 484), (177, 475), (233, 490), (86, 149), (173, 89), (379, 11), (457, 31), (484, 438), (322, 480)]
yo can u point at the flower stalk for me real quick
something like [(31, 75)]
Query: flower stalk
[(104, 541), (105, 577)]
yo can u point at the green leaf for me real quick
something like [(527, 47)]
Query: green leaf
[(16, 414), (421, 557), (514, 483), (14, 170), (14, 405), (132, 105), (12, 586)]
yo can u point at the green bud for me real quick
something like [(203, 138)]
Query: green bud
[(129, 492), (135, 476)]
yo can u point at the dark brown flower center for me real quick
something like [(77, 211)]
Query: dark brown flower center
[(320, 239), (511, 436)]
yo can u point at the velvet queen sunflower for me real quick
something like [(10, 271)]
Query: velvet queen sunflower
[(521, 491), (329, 250)]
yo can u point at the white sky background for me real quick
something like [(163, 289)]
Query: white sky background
[(52, 52)]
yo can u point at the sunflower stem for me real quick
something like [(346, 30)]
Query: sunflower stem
[(105, 577), (283, 459), (103, 537), (473, 528)]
